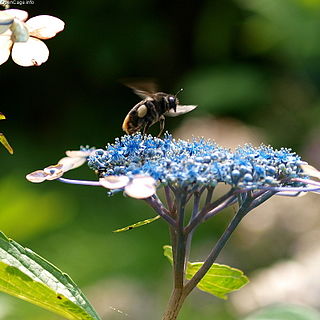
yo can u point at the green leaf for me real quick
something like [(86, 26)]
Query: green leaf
[(26, 275), (138, 224), (3, 139), (285, 312), (5, 143), (219, 280)]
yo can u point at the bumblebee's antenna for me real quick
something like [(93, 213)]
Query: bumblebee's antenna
[(178, 92)]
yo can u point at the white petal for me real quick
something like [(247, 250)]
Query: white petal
[(114, 182), (31, 53), (179, 110), (78, 153), (19, 30), (310, 171), (18, 14), (5, 21), (54, 172), (37, 176), (140, 178), (69, 163), (141, 187), (5, 48), (44, 27)]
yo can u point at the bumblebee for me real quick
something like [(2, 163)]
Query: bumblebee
[(154, 107)]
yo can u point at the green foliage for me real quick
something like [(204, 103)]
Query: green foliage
[(219, 280), (138, 224), (285, 312), (291, 26), (5, 143), (45, 209), (27, 276), (3, 139), (225, 88)]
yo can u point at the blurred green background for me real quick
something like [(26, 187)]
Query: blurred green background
[(252, 66)]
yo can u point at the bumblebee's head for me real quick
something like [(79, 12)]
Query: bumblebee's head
[(172, 102)]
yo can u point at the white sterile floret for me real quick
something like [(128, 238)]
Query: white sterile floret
[(114, 182), (141, 187), (22, 38), (71, 163)]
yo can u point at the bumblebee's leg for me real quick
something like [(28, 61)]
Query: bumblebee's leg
[(146, 127), (162, 121)]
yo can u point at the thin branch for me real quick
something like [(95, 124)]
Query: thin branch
[(196, 203), (230, 201), (179, 270), (169, 199), (163, 212), (80, 182), (209, 195), (243, 210), (306, 181), (261, 198), (198, 218)]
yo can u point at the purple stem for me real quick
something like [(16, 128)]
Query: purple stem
[(81, 182), (296, 189), (230, 201), (198, 218), (163, 212), (169, 199)]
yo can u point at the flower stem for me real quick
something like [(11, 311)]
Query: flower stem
[(81, 182), (170, 202), (180, 254), (196, 202), (243, 210), (178, 241), (209, 207), (175, 303), (157, 205)]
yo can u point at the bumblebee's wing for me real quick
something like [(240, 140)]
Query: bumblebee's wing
[(142, 88), (180, 110)]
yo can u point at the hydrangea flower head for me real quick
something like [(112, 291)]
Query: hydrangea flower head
[(198, 163), (139, 164)]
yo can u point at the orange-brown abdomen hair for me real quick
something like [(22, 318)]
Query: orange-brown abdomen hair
[(125, 126)]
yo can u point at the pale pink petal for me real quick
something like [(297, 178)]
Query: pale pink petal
[(18, 14), (37, 176), (54, 172), (31, 53), (19, 30), (145, 179), (69, 163), (114, 182), (141, 187), (5, 48), (310, 171), (78, 153), (44, 27), (5, 21)]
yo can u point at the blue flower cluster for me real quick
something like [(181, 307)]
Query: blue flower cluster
[(197, 163)]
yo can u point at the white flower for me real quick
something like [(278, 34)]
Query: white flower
[(73, 160), (21, 37), (139, 187)]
